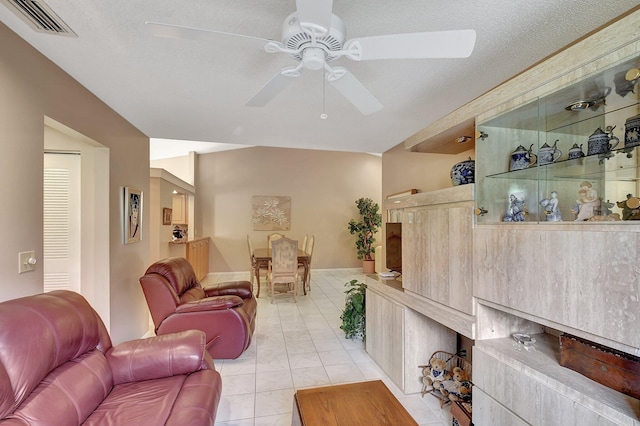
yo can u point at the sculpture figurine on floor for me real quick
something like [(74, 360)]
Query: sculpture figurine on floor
[(588, 204), (551, 209), (515, 213)]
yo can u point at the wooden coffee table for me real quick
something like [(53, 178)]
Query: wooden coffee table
[(365, 403)]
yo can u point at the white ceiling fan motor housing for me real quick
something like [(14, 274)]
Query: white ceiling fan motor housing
[(295, 38)]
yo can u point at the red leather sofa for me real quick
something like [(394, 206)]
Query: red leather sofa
[(58, 367), (226, 312)]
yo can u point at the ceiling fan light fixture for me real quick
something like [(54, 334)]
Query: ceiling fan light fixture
[(313, 58)]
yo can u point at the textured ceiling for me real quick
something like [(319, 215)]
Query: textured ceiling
[(196, 90)]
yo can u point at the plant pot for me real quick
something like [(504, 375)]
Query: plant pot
[(368, 267)]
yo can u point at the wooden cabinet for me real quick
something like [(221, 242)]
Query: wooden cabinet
[(196, 252), (198, 256), (179, 213)]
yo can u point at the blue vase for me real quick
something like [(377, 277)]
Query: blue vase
[(463, 172)]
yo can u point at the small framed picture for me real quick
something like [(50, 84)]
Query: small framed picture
[(166, 216), (132, 224)]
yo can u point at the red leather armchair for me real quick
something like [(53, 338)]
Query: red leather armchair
[(177, 301), (58, 367)]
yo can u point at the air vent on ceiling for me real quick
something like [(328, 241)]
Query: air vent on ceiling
[(38, 15)]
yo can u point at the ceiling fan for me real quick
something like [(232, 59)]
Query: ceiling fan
[(315, 37)]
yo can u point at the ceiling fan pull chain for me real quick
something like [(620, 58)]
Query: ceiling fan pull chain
[(324, 103)]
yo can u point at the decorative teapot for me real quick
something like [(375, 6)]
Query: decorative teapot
[(575, 151), (521, 158), (601, 142), (549, 154)]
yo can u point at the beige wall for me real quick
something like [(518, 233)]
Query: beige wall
[(178, 166), (323, 187), (404, 170), (32, 87)]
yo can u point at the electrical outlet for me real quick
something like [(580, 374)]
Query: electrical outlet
[(26, 261)]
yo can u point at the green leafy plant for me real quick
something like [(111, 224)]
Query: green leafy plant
[(365, 229), (353, 315)]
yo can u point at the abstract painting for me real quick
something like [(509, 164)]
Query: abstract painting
[(271, 213), (132, 224)]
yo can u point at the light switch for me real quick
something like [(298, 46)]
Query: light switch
[(26, 261)]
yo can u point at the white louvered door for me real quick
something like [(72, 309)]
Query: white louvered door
[(61, 222)]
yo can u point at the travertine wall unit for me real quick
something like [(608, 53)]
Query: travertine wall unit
[(437, 244), (512, 386), (399, 338), (385, 334), (580, 278)]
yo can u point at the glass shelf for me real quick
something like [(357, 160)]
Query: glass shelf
[(592, 166), (608, 101)]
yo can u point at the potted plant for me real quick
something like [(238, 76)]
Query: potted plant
[(365, 229), (353, 315)]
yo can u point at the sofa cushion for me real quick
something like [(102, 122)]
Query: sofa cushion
[(60, 330), (163, 356), (180, 275), (70, 393), (243, 289), (138, 403), (201, 389)]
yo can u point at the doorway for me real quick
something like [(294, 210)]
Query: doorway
[(91, 238)]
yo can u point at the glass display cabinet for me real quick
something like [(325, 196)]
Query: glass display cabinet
[(529, 159)]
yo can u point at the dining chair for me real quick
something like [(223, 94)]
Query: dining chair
[(283, 268), (305, 269), (272, 237), (303, 247), (261, 270)]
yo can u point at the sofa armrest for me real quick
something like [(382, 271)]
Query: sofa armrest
[(242, 289), (160, 356), (210, 304)]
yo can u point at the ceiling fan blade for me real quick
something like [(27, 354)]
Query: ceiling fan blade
[(352, 89), (177, 31), (273, 87), (314, 15), (438, 44)]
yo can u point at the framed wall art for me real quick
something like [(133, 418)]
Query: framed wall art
[(271, 213), (132, 224), (166, 216)]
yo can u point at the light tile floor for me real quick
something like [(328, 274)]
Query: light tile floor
[(300, 345)]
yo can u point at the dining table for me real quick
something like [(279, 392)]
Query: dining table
[(262, 256)]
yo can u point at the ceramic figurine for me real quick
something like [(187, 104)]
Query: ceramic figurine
[(551, 210), (549, 154), (521, 158), (575, 151), (601, 142), (588, 204), (515, 212), (463, 172), (632, 131)]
